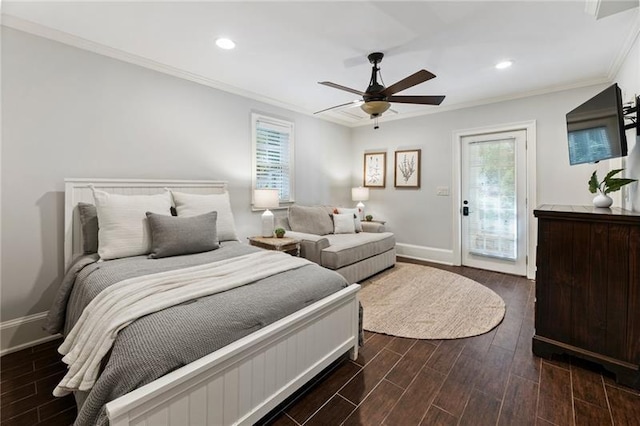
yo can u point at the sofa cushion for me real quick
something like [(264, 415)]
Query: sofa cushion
[(310, 220), (346, 249)]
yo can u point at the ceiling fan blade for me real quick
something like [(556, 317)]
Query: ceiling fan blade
[(415, 78), (337, 86), (337, 106), (425, 100)]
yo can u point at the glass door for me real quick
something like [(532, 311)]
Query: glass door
[(494, 210)]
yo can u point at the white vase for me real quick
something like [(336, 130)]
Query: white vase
[(602, 200)]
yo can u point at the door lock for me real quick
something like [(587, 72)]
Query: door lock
[(465, 208)]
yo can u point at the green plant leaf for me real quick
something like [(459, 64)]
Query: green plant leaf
[(593, 183), (614, 184), (611, 174)]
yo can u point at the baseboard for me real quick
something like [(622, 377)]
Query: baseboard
[(428, 254), (24, 332)]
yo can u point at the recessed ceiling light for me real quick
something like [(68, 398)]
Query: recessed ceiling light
[(504, 64), (225, 43)]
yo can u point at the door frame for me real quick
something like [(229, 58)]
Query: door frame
[(531, 200)]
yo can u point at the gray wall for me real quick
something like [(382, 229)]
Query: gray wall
[(72, 113), (421, 218)]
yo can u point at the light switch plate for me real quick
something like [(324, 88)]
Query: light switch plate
[(442, 191)]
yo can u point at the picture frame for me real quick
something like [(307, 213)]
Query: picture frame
[(407, 168), (375, 169)]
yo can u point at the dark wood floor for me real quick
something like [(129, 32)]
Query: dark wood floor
[(492, 379), (27, 379)]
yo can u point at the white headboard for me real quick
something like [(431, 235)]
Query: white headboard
[(78, 190)]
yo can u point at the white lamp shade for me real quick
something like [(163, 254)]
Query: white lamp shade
[(359, 194), (266, 198)]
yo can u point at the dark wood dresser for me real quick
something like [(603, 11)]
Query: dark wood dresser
[(588, 287)]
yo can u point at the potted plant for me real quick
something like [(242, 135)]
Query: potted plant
[(607, 185), (280, 232), (368, 218)]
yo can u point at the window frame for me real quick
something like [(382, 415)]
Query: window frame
[(255, 118)]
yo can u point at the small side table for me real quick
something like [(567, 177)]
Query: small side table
[(285, 244), (381, 222)]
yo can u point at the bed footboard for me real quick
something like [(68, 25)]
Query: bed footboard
[(242, 382)]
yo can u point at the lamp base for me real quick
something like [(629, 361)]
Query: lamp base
[(360, 207), (267, 224)]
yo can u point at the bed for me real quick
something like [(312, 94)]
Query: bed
[(242, 381)]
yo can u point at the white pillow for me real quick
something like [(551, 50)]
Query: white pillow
[(356, 216), (122, 222), (343, 223), (196, 204)]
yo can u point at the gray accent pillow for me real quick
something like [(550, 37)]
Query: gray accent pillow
[(310, 220), (174, 235), (89, 225)]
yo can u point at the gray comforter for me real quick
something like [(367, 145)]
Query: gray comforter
[(161, 342)]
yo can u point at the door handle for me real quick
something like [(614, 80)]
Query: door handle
[(465, 211)]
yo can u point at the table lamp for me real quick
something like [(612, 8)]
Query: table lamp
[(360, 194), (266, 199)]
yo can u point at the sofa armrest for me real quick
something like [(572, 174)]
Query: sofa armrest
[(372, 227), (311, 245)]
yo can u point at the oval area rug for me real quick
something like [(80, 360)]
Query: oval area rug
[(422, 302)]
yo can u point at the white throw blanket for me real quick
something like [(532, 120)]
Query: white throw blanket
[(120, 304)]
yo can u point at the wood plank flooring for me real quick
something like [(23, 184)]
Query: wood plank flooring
[(492, 379)]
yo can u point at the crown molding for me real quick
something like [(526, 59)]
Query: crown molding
[(625, 48), (30, 27), (33, 28), (591, 7)]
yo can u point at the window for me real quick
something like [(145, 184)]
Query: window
[(273, 155)]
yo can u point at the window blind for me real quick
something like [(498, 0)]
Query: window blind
[(273, 147)]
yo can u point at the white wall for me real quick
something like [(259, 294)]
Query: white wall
[(420, 217), (628, 78), (72, 113)]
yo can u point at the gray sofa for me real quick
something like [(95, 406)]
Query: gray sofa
[(355, 256)]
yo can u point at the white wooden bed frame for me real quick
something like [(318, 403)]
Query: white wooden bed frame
[(241, 382)]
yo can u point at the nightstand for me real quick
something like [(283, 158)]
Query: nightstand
[(285, 244), (381, 222)]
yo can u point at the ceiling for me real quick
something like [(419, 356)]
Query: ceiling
[(285, 48)]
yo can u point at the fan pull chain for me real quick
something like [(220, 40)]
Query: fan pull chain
[(375, 123)]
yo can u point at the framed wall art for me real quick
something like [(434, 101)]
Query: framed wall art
[(375, 165), (407, 169)]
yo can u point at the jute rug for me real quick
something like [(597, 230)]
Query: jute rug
[(422, 302)]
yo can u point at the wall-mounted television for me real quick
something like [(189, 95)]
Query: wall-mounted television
[(595, 129)]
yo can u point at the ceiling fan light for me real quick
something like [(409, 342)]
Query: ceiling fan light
[(225, 43), (375, 108)]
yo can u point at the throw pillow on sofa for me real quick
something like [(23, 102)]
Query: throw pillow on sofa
[(344, 223), (356, 216)]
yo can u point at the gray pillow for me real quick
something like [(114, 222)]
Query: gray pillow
[(310, 220), (174, 235), (89, 224)]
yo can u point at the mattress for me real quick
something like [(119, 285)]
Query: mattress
[(161, 342)]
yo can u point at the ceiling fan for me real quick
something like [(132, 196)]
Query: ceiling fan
[(376, 99)]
